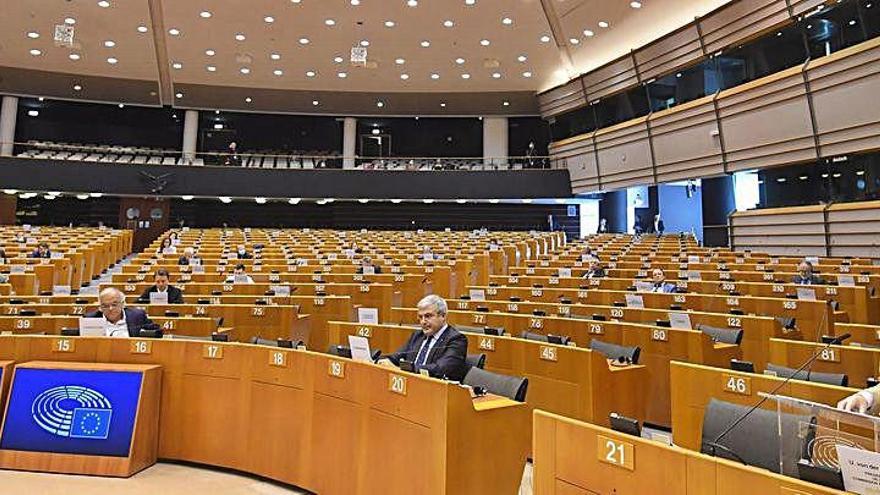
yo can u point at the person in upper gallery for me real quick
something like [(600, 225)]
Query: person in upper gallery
[(366, 264), (3, 259), (175, 295), (660, 284), (242, 253), (805, 275), (232, 157), (603, 226), (189, 258), (637, 226), (42, 251), (436, 347), (659, 226), (594, 269), (119, 320), (239, 276)]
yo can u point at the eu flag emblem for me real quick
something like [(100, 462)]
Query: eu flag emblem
[(90, 423)]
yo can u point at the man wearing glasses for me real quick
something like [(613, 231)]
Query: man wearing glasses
[(119, 320)]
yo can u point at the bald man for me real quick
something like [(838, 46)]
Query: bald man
[(119, 321)]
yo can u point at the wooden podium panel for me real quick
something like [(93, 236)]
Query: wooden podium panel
[(5, 378), (140, 453), (576, 458)]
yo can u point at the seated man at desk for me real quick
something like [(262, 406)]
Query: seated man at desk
[(660, 283), (437, 347), (367, 267), (239, 276), (42, 251), (161, 286), (242, 253), (119, 320), (805, 275), (189, 258), (595, 269)]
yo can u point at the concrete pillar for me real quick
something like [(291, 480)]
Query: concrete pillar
[(8, 115), (495, 140), (190, 135), (349, 142)]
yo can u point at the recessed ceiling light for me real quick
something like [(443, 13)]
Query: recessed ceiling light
[(315, 103), (545, 39), (404, 76), (103, 4), (178, 95), (522, 58), (74, 56), (435, 76), (329, 22), (295, 1), (122, 105), (342, 75), (240, 37), (109, 43), (507, 21), (36, 52), (294, 201), (278, 72), (355, 2), (82, 196), (412, 3), (465, 76), (303, 41), (177, 65), (275, 56), (506, 103), (142, 29), (268, 19), (496, 75), (380, 104), (603, 24), (365, 42), (527, 74), (112, 60), (204, 14), (210, 53), (33, 113), (70, 21), (187, 197), (470, 2), (33, 35), (485, 42), (427, 201), (635, 5), (425, 43), (174, 32), (248, 99), (443, 104), (225, 199), (244, 70), (311, 73), (396, 201), (448, 23), (459, 60), (574, 41), (461, 201), (338, 60), (588, 33), (211, 68), (389, 24), (494, 201), (77, 87), (399, 61), (41, 98)]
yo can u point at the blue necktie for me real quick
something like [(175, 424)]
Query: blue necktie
[(423, 352)]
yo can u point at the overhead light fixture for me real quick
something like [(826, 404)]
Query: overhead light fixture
[(545, 39), (494, 201), (329, 200), (109, 43), (435, 76), (803, 177), (121, 105), (425, 43), (104, 4), (448, 23), (338, 60), (178, 95), (304, 41), (505, 103), (363, 201), (210, 52), (33, 35), (315, 103), (574, 41), (355, 2), (496, 75), (77, 87), (177, 65), (33, 113), (240, 37), (459, 60), (399, 61), (225, 199), (412, 3), (36, 52), (365, 43), (390, 24), (342, 75), (268, 19), (82, 196), (461, 201), (522, 58), (311, 73), (244, 70), (74, 56), (112, 60), (211, 68), (427, 201), (174, 32), (294, 201), (603, 24), (396, 201), (465, 76), (218, 126), (248, 99), (96, 194), (781, 179), (278, 72), (329, 22), (260, 201), (589, 32), (470, 2), (443, 104), (375, 132), (635, 5), (187, 197), (275, 56), (380, 103), (527, 74), (507, 21), (70, 21), (142, 29), (204, 14), (526, 200), (404, 76), (10, 191)]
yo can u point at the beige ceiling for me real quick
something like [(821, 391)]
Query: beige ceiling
[(151, 55)]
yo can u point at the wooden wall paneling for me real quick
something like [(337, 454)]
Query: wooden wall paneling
[(578, 155), (611, 78), (767, 122), (563, 98), (844, 87), (798, 231), (686, 141), (854, 229), (741, 20), (624, 155), (799, 7), (669, 53)]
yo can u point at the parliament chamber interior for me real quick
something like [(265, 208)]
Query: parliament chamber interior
[(555, 247)]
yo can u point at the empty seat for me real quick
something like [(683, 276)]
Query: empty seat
[(838, 379), (722, 335), (614, 351), (512, 387)]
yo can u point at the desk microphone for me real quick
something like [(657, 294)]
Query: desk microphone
[(714, 443)]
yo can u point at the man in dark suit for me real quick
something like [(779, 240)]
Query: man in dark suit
[(660, 283), (366, 264), (595, 269), (120, 321), (242, 253), (175, 295), (42, 251), (805, 275), (437, 347)]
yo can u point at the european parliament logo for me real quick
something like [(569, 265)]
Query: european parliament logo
[(73, 411)]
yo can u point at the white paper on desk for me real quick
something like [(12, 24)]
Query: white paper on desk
[(477, 294), (644, 286), (158, 297), (846, 281), (17, 269), (198, 268), (693, 259), (680, 320), (360, 348), (368, 315), (805, 294), (564, 272), (634, 301), (91, 327), (860, 470), (369, 270), (56, 256), (694, 276), (60, 290), (280, 290)]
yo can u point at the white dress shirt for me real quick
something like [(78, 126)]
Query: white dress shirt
[(118, 329)]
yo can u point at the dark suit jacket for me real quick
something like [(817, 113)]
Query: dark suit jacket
[(135, 319), (446, 359), (175, 296), (36, 254), (376, 269), (597, 273), (244, 256), (811, 280), (183, 260)]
